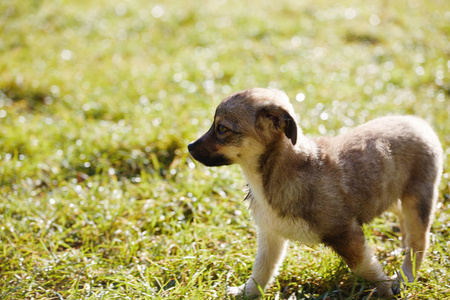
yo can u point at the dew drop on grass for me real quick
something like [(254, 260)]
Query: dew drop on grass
[(158, 11), (208, 85), (66, 54), (368, 90), (359, 81), (200, 26), (121, 9), (419, 58), (191, 165), (322, 129), (226, 89), (374, 20), (389, 66), (319, 106), (156, 122), (350, 13), (144, 100), (78, 189), (234, 80), (420, 71), (300, 97)]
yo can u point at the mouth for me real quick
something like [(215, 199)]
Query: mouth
[(214, 160), (207, 158)]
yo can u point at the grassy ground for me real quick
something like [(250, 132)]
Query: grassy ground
[(98, 100)]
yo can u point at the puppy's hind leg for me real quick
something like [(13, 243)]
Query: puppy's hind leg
[(271, 250), (351, 246), (417, 213)]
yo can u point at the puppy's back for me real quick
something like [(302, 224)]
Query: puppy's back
[(404, 129), (385, 159), (403, 137)]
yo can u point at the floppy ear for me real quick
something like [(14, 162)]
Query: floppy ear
[(275, 118)]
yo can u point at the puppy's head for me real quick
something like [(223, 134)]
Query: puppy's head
[(245, 124)]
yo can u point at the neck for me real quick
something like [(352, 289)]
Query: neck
[(275, 168)]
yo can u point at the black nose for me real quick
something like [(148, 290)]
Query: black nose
[(191, 146)]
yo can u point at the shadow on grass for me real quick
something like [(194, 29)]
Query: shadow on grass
[(26, 97), (128, 162), (340, 284)]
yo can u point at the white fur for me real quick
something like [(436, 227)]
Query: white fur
[(273, 233), (268, 220)]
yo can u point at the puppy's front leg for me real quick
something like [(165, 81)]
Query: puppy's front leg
[(271, 249)]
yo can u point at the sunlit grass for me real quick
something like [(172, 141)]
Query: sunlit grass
[(98, 100)]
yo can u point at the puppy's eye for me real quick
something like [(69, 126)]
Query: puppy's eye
[(221, 129)]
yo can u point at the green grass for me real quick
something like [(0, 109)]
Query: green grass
[(99, 99)]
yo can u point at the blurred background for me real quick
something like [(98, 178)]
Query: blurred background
[(99, 99)]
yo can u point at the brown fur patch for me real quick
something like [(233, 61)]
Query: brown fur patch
[(349, 243)]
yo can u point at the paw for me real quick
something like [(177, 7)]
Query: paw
[(397, 288), (383, 289), (235, 290), (399, 283), (248, 290)]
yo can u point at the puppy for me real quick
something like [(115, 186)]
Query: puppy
[(322, 190)]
